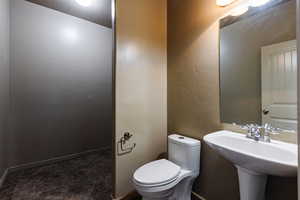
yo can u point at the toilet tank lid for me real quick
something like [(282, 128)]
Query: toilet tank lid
[(183, 140)]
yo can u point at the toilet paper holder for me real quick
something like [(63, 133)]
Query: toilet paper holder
[(122, 149)]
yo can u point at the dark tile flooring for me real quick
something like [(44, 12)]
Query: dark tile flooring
[(86, 178)]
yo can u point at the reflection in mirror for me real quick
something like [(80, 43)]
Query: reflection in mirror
[(258, 65)]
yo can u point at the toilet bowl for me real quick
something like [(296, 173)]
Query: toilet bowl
[(170, 179)]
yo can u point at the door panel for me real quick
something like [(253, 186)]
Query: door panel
[(279, 85)]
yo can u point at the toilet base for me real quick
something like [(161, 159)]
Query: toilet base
[(162, 195), (182, 191)]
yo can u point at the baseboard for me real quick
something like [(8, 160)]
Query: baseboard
[(197, 196), (3, 178), (134, 196), (130, 196), (45, 162)]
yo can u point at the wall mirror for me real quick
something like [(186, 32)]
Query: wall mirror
[(258, 66)]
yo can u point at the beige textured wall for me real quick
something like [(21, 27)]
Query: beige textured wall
[(193, 95), (141, 84), (193, 80)]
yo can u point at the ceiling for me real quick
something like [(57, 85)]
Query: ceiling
[(98, 12)]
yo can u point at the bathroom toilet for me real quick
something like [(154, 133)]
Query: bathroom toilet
[(170, 179)]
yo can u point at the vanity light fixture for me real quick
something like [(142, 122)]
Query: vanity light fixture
[(224, 3), (244, 7), (257, 3), (239, 10), (84, 3)]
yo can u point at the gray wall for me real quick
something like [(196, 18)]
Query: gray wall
[(4, 77), (61, 84), (240, 69)]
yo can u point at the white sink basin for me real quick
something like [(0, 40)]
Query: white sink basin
[(255, 160), (275, 158)]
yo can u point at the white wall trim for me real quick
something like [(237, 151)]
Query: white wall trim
[(3, 178), (198, 196)]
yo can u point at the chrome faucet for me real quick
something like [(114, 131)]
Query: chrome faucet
[(254, 131), (261, 133)]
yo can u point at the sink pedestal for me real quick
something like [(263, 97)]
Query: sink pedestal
[(252, 185)]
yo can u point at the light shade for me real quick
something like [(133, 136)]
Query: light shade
[(257, 3), (84, 3), (239, 10), (224, 2)]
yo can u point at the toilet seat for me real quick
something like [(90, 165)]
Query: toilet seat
[(157, 173), (163, 187)]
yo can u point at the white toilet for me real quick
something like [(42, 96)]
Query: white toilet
[(170, 179)]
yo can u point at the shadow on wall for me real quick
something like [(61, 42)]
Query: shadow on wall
[(218, 177), (201, 17), (193, 74)]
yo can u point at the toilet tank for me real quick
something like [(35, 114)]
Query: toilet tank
[(185, 152)]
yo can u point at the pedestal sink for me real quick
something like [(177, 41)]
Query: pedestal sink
[(255, 160)]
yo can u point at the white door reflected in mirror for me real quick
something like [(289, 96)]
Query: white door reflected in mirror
[(279, 85)]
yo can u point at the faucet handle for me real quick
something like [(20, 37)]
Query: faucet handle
[(253, 130)]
